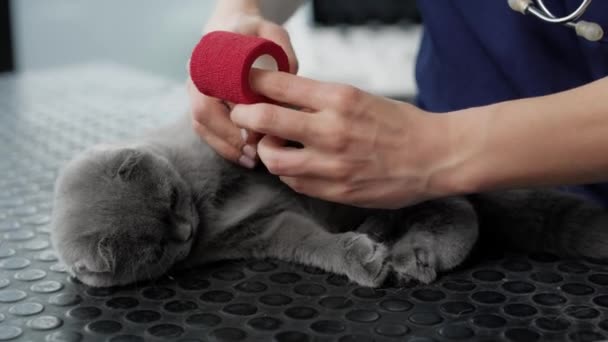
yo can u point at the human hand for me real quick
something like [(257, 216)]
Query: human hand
[(358, 149), (211, 116)]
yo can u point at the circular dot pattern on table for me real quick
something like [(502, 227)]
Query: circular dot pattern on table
[(547, 277), (577, 289), (105, 327), (11, 295), (552, 323), (9, 332), (46, 322), (394, 305), (489, 321), (518, 287), (456, 332), (85, 312), (549, 299), (496, 295), (179, 306), (203, 320), (328, 326), (362, 316), (64, 336), (240, 309), (425, 318), (26, 309), (520, 310), (301, 312), (459, 285), (285, 278), (251, 286), (488, 275), (582, 312), (228, 334), (48, 286), (31, 274), (122, 303), (217, 296), (457, 308), (391, 330), (488, 297), (265, 323), (368, 293), (428, 295), (166, 330), (143, 316), (275, 300), (65, 299), (336, 302)]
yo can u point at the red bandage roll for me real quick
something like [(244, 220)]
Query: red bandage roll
[(221, 62)]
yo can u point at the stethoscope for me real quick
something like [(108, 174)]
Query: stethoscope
[(588, 30)]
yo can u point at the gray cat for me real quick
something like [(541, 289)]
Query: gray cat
[(129, 212)]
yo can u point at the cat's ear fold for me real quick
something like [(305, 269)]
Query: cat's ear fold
[(129, 164), (99, 262)]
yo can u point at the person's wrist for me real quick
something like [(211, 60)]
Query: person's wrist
[(455, 166)]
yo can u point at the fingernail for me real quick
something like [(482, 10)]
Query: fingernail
[(244, 134), (249, 151), (246, 162)]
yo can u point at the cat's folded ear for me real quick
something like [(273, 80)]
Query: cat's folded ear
[(128, 163)]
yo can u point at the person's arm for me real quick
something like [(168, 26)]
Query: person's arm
[(370, 151), (210, 116), (549, 140)]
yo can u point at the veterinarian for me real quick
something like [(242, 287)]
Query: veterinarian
[(526, 104)]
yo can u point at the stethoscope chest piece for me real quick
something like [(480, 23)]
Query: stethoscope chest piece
[(586, 29)]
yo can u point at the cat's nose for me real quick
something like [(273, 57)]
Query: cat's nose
[(183, 232)]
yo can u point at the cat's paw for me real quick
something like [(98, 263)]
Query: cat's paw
[(416, 264), (365, 260)]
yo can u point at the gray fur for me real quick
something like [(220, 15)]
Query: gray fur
[(130, 211)]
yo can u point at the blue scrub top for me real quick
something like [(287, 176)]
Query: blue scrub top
[(478, 52)]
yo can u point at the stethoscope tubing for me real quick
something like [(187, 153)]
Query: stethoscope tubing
[(545, 14)]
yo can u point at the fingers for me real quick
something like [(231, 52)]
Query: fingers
[(279, 159), (288, 161), (214, 116), (219, 145), (211, 121), (319, 188), (279, 35), (278, 121), (303, 92)]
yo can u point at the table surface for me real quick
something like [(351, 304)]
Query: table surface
[(47, 116)]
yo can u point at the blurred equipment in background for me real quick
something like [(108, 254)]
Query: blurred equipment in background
[(6, 39), (362, 12), (368, 44)]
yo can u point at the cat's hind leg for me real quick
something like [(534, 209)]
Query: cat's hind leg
[(292, 236), (440, 234), (547, 220)]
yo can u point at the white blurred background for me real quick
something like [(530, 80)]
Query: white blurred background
[(158, 35)]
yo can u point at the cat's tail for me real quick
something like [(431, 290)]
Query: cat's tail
[(544, 220)]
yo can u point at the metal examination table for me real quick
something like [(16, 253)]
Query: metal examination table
[(47, 116)]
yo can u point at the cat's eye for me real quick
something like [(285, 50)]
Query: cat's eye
[(173, 197)]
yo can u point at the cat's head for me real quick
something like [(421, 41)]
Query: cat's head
[(121, 215)]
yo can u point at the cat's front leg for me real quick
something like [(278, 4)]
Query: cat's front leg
[(295, 237)]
